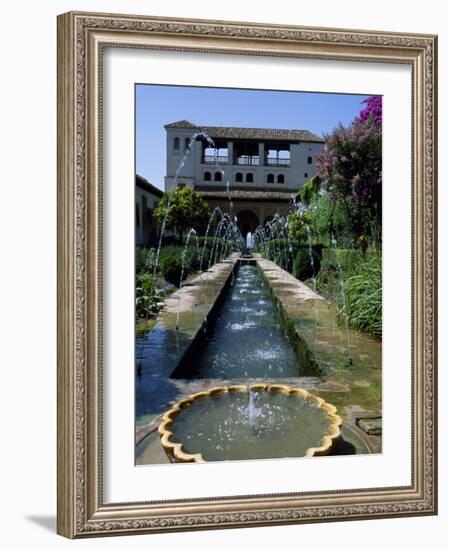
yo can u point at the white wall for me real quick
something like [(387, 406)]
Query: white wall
[(295, 175), (28, 296), (174, 157)]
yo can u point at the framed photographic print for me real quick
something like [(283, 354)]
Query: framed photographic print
[(247, 274)]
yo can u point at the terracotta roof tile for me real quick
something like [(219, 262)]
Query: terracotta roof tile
[(235, 132)]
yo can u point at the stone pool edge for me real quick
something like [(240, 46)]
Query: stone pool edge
[(303, 352)]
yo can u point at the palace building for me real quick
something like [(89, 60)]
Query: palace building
[(265, 167), (147, 200)]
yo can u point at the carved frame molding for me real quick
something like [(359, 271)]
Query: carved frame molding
[(81, 39)]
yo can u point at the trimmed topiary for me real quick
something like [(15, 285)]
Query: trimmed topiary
[(302, 266), (171, 267)]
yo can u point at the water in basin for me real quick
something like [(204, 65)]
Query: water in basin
[(242, 425)]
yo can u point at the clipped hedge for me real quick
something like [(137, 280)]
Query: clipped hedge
[(149, 296), (170, 258), (302, 266), (171, 268), (280, 247)]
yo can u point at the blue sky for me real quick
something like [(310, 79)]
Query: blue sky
[(160, 105)]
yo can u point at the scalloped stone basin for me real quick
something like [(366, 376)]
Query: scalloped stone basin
[(240, 422)]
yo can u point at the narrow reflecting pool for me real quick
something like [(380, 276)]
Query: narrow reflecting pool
[(245, 339)]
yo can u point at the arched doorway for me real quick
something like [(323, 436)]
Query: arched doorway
[(247, 222)]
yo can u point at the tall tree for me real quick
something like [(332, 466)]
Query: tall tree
[(183, 208), (351, 170)]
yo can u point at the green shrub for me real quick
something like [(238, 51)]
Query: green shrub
[(170, 250), (192, 260), (209, 241), (145, 258), (218, 249), (319, 249), (302, 266), (176, 251), (273, 248), (206, 258), (284, 259), (348, 258), (171, 268), (300, 226), (328, 281), (148, 299), (310, 190), (363, 293), (170, 258)]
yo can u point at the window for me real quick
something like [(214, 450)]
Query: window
[(176, 144), (306, 174), (212, 155), (249, 177), (246, 153), (270, 178), (186, 143), (137, 216), (278, 155), (280, 178), (217, 176), (309, 160), (239, 177), (207, 176)]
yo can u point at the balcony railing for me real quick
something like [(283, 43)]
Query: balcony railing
[(213, 159), (245, 161), (277, 162), (248, 161)]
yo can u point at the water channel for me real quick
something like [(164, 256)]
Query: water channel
[(245, 338)]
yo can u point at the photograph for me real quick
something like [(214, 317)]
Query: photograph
[(258, 274)]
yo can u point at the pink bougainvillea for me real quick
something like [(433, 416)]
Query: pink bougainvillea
[(350, 168), (373, 110)]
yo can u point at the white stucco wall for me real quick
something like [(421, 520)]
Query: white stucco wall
[(193, 171)]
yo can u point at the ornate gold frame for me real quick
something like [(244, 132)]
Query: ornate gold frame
[(81, 38)]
